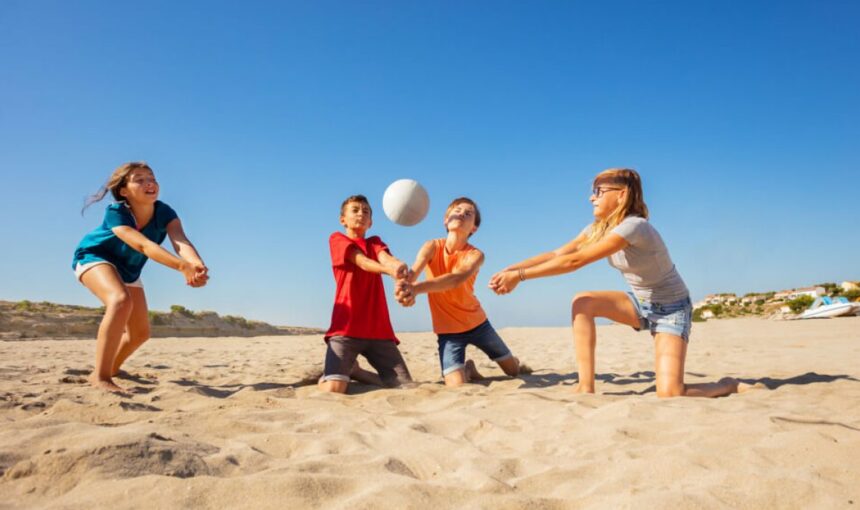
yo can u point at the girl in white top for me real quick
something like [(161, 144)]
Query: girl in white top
[(659, 301)]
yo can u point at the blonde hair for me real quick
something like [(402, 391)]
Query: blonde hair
[(117, 181), (633, 205)]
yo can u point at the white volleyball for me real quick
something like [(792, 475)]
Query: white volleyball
[(405, 202)]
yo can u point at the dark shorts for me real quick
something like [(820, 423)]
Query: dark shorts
[(452, 347), (383, 356)]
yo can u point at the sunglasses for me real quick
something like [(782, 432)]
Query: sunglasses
[(599, 191)]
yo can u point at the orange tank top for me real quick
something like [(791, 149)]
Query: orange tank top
[(455, 310)]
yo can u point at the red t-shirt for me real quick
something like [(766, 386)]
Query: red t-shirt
[(360, 309)]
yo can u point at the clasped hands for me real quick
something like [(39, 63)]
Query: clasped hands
[(404, 277), (196, 274), (504, 282)]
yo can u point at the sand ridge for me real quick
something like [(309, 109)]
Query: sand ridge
[(238, 423)]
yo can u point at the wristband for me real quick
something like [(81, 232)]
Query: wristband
[(522, 273)]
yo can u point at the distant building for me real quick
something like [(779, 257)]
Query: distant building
[(812, 292), (846, 286), (782, 295), (788, 295), (707, 314), (713, 299)]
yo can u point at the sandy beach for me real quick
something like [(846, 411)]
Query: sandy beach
[(238, 423)]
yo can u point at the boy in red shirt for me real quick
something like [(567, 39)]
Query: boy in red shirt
[(359, 322)]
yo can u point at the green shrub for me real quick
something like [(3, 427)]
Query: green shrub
[(156, 318), (24, 306), (800, 303), (852, 294), (181, 310), (237, 321)]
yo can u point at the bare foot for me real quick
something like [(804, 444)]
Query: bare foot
[(581, 388), (730, 384), (525, 369), (472, 373), (104, 384)]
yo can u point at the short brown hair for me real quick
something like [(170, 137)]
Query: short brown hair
[(465, 200), (355, 198)]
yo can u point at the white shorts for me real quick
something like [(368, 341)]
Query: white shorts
[(80, 269)]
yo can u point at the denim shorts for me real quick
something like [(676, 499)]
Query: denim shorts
[(672, 318), (452, 346)]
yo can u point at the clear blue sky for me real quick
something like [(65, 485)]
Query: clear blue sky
[(260, 117)]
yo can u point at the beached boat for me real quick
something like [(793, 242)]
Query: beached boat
[(824, 307)]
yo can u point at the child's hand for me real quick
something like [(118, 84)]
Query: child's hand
[(195, 273), (504, 282), (495, 280), (403, 293), (200, 277), (399, 270)]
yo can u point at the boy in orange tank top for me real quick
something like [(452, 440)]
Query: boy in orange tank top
[(452, 265)]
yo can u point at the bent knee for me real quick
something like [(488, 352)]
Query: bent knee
[(583, 303), (119, 301), (333, 386)]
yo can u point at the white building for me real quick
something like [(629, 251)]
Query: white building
[(846, 286), (812, 292)]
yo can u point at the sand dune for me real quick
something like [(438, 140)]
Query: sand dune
[(238, 423)]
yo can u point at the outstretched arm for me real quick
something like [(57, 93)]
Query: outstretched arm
[(461, 272), (508, 280), (186, 251), (566, 249), (388, 264), (424, 256), (181, 244), (192, 271)]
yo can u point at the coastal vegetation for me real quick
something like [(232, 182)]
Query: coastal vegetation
[(771, 304), (33, 320)]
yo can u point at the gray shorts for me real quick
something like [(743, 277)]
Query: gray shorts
[(383, 356)]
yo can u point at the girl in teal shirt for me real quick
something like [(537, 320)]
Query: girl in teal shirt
[(108, 262)]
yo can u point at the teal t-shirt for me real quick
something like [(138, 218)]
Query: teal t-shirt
[(103, 245)]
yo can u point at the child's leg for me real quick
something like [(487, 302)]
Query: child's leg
[(340, 356), (452, 357), (485, 338), (136, 328), (467, 374), (613, 305), (510, 366), (386, 358), (670, 354), (103, 281), (365, 376)]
